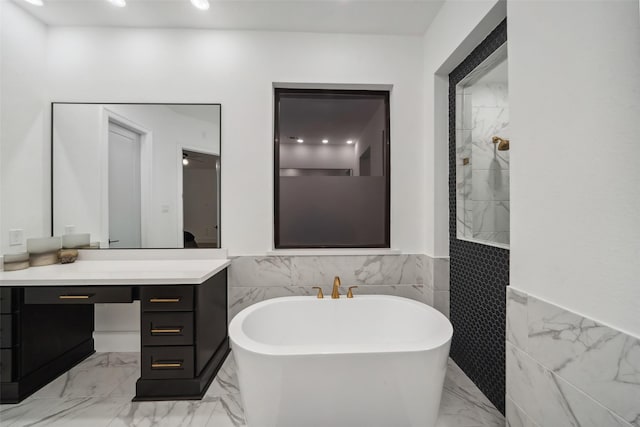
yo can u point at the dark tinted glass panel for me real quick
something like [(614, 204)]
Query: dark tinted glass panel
[(331, 169)]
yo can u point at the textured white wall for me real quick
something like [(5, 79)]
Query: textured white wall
[(24, 148), (575, 146), (238, 69)]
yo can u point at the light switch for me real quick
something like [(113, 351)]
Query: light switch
[(16, 237), (69, 229)]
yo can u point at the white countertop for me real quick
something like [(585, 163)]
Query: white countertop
[(117, 272)]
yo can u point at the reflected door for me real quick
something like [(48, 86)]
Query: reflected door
[(200, 190), (124, 188)]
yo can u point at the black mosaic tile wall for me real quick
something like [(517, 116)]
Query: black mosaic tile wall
[(479, 273)]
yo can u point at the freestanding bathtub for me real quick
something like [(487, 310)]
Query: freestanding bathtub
[(370, 361)]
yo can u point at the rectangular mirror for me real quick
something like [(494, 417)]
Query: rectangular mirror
[(137, 175), (482, 152)]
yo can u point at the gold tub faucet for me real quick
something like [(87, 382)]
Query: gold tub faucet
[(336, 285), (320, 294), (350, 293)]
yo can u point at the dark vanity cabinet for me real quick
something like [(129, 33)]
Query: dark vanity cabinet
[(39, 342), (184, 338), (44, 331)]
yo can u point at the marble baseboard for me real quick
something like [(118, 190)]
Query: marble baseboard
[(426, 270), (242, 296), (320, 270), (441, 302), (441, 274), (254, 279), (582, 372)]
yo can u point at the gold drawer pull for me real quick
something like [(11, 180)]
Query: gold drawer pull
[(74, 296), (166, 330), (164, 300), (160, 365)]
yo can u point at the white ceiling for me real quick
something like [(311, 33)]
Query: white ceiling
[(200, 160), (324, 16)]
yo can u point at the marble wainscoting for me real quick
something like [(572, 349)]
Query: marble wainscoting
[(567, 370), (419, 277)]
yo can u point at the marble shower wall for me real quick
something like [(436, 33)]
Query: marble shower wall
[(567, 370), (254, 279), (483, 182)]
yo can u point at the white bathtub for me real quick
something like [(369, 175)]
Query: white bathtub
[(363, 362)]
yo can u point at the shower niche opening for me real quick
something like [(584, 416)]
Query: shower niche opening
[(482, 153)]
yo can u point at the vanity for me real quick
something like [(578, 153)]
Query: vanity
[(143, 181), (47, 321)]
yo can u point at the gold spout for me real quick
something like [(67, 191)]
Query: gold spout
[(350, 293), (320, 294), (336, 285), (503, 144)]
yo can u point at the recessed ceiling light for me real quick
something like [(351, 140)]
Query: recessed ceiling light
[(35, 2), (185, 161), (349, 142), (325, 141), (300, 140), (118, 3), (201, 4)]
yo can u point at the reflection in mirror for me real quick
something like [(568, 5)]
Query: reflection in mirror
[(137, 175), (482, 152)]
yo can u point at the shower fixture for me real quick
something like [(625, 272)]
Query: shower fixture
[(503, 144)]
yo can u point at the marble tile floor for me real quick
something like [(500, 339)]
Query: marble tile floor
[(98, 393)]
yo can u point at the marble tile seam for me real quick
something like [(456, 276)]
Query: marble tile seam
[(528, 419), (600, 361), (559, 382)]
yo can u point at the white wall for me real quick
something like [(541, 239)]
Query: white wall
[(575, 180), (24, 152), (238, 69), (457, 29), (574, 103)]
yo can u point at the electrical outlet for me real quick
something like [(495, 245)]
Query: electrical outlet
[(16, 237), (69, 229)]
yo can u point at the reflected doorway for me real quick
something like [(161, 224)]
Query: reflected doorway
[(200, 196)]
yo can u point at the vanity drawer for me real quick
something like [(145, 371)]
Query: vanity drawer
[(167, 362), (77, 295), (167, 328), (6, 365), (166, 298), (6, 330)]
